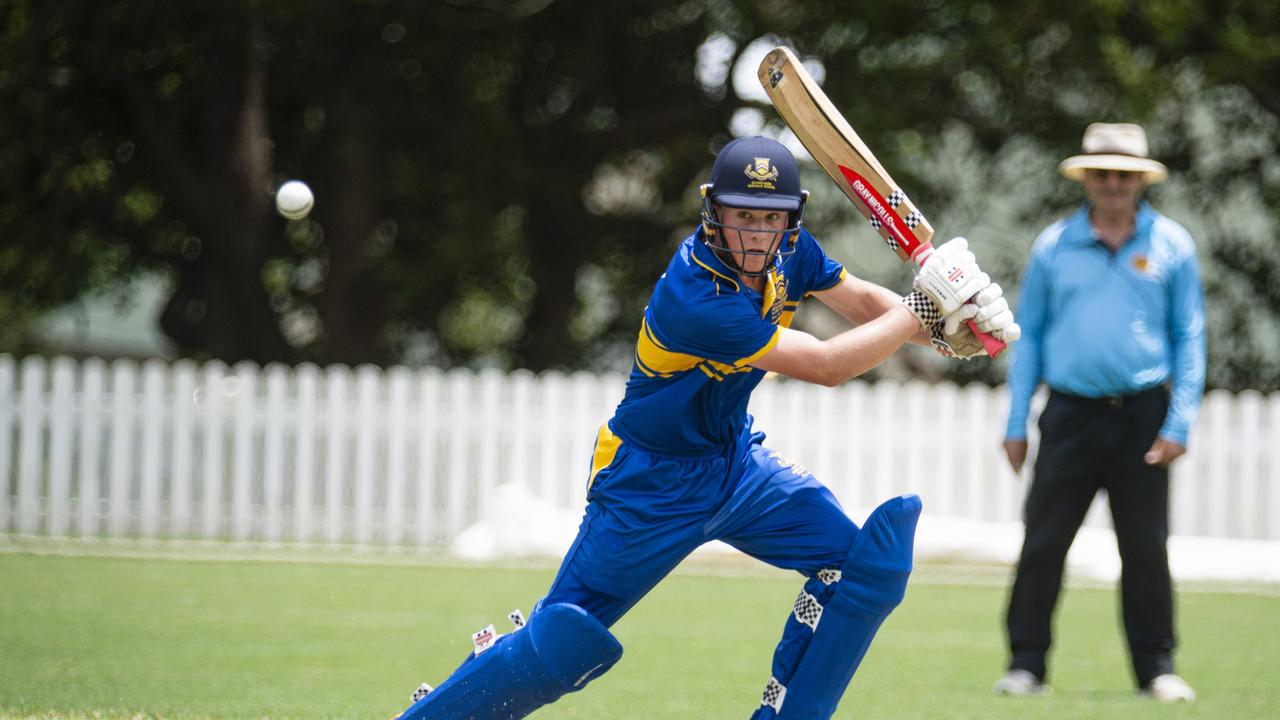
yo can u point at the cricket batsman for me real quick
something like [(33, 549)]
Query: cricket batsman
[(680, 464)]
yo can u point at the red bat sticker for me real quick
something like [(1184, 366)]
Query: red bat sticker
[(880, 210)]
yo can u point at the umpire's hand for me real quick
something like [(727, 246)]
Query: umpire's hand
[(1163, 452), (1016, 451)]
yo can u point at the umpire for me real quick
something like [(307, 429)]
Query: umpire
[(1112, 315)]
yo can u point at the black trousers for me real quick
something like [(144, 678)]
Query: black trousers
[(1089, 445)]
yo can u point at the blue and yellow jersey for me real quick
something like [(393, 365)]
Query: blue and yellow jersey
[(692, 378)]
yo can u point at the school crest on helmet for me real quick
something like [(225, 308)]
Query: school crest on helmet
[(762, 173)]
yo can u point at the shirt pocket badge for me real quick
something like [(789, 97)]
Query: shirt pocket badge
[(1145, 267)]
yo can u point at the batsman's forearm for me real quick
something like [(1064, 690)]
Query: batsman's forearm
[(859, 302), (855, 351), (831, 362)]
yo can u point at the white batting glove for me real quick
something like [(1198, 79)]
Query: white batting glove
[(989, 311), (993, 315), (947, 279)]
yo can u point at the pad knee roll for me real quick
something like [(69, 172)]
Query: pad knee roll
[(880, 560), (558, 651), (572, 645)]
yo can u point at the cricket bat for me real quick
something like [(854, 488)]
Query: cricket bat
[(850, 163)]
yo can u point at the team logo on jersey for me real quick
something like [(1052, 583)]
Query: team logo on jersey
[(785, 463), (762, 173)]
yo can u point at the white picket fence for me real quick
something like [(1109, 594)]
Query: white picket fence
[(407, 458)]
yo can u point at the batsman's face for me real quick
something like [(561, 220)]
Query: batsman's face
[(1113, 191), (753, 235)]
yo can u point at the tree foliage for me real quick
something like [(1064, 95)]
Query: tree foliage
[(500, 183)]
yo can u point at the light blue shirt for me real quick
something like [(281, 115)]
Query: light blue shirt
[(1097, 323)]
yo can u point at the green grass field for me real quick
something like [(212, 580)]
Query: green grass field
[(179, 638)]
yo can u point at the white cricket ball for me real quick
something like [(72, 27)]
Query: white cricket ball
[(294, 200)]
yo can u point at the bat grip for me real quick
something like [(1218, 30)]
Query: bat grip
[(993, 346)]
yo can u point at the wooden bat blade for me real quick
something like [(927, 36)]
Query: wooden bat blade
[(842, 154), (850, 164)]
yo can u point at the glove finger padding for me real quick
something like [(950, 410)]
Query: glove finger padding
[(989, 294), (1009, 333), (996, 323), (990, 310), (993, 315)]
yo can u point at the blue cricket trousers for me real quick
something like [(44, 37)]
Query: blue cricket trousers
[(646, 512)]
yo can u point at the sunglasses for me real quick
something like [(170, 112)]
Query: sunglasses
[(1105, 174)]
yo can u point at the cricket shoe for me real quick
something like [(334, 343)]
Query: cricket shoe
[(1169, 688), (1020, 683)]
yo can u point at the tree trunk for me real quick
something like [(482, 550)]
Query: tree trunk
[(353, 306), (219, 305)]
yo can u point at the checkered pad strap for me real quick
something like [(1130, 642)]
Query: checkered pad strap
[(774, 694), (922, 307), (808, 610), (829, 576)]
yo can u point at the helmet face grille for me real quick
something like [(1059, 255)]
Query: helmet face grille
[(783, 246), (753, 173)]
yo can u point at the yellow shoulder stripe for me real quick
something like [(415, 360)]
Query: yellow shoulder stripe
[(655, 359)]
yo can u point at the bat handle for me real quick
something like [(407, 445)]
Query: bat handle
[(993, 346)]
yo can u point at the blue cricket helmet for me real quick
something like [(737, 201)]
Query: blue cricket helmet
[(756, 173)]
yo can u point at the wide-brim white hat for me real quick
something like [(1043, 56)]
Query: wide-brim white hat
[(1114, 146)]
